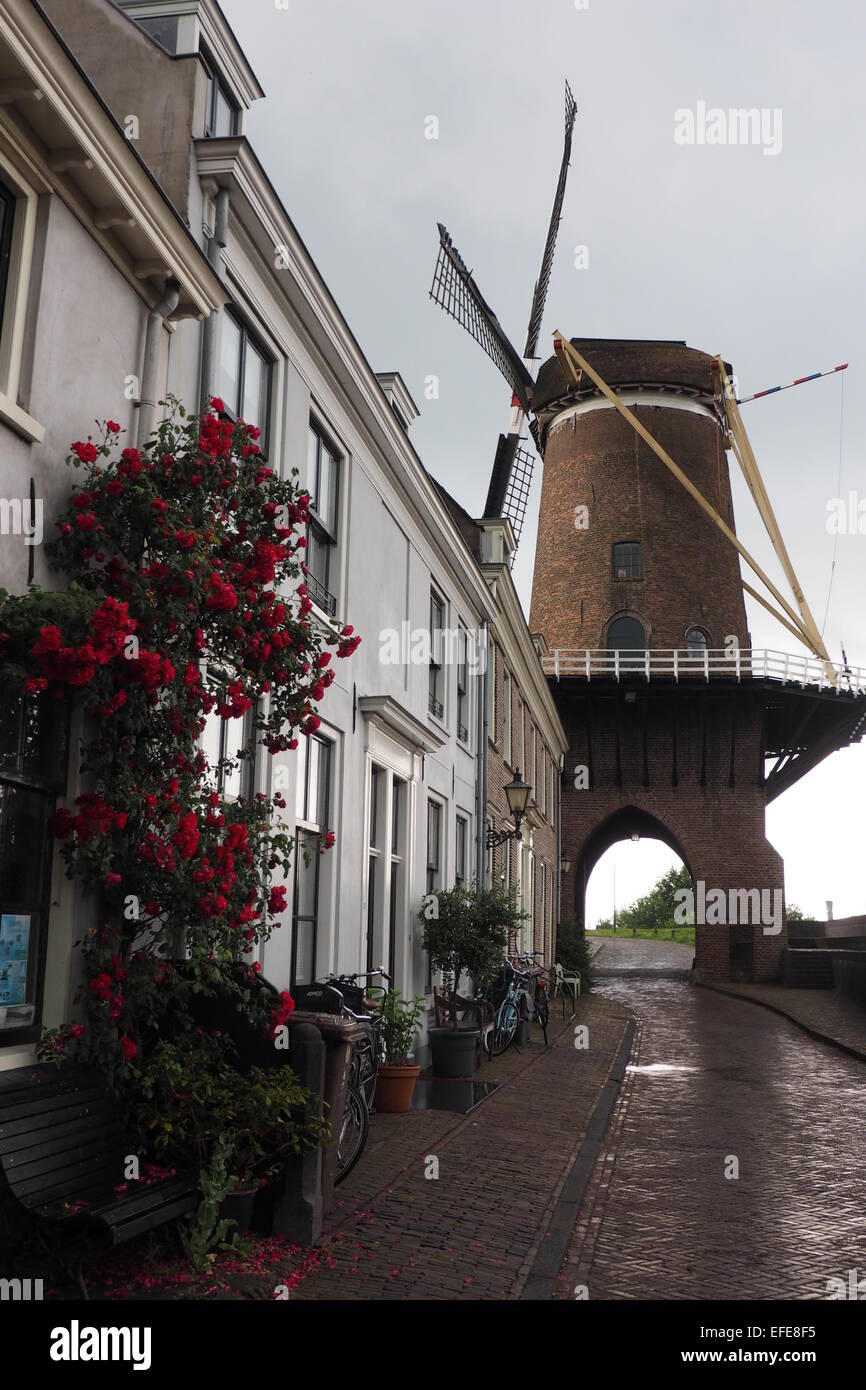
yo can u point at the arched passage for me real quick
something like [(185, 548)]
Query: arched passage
[(621, 825)]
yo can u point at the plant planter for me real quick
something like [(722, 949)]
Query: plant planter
[(453, 1051), (394, 1087), (238, 1207)]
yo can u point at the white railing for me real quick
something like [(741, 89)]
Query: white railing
[(672, 664)]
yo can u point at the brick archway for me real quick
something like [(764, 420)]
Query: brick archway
[(722, 846)]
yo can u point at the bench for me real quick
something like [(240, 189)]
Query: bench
[(479, 1009), (63, 1155)]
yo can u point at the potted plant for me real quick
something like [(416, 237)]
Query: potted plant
[(400, 1025), (465, 932)]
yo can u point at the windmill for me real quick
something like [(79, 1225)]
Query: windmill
[(456, 291)]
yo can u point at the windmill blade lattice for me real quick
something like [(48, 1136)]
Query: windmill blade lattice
[(540, 293), (454, 290), (519, 485)]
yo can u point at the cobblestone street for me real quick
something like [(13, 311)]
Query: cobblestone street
[(715, 1079)]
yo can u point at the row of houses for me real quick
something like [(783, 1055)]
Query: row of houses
[(145, 253)]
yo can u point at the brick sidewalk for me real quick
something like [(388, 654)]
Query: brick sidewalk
[(474, 1231), (825, 1013)]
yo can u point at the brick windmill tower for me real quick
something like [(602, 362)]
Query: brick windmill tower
[(678, 729)]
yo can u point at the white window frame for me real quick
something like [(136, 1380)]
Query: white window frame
[(14, 309)]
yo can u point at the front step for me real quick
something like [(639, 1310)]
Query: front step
[(808, 969)]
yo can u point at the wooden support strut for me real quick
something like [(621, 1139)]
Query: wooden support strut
[(745, 457), (575, 361)]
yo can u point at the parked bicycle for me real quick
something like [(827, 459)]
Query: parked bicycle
[(345, 997)]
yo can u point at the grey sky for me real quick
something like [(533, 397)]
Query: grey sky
[(756, 256)]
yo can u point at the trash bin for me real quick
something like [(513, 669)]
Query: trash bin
[(339, 1035)]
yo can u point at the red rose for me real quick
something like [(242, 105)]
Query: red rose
[(128, 1048), (113, 880), (218, 404), (62, 824), (86, 452), (101, 986), (112, 426)]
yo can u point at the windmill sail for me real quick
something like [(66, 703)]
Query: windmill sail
[(454, 290), (540, 292)]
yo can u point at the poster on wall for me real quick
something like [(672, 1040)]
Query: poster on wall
[(14, 946)]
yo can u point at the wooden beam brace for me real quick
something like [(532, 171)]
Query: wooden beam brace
[(644, 719), (748, 463), (574, 359)]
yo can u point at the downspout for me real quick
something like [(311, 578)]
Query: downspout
[(481, 779), (155, 325), (215, 245), (558, 854)]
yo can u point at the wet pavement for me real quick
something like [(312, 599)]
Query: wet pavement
[(733, 1166)]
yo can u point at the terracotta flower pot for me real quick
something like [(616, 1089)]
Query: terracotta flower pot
[(394, 1087)]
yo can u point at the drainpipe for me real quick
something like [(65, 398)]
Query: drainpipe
[(558, 850), (155, 325), (481, 779), (208, 342)]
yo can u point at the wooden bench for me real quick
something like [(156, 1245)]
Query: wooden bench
[(63, 1156), (479, 1009)]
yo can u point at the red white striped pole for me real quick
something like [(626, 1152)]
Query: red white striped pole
[(771, 390)]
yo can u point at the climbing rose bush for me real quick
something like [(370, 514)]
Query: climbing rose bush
[(186, 599)]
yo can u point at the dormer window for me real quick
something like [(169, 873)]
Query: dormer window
[(221, 115)]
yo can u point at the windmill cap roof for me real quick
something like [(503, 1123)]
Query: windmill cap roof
[(627, 361)]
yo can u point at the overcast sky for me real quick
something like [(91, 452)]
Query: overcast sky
[(756, 256)]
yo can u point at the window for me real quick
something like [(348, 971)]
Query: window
[(463, 685), (221, 115), (522, 760), (396, 891), (532, 770), (222, 742), (627, 560), (437, 622), (543, 905), (626, 636), (506, 717), (7, 220), (33, 755), (541, 794), (377, 776), (244, 377), (434, 864), (461, 846), (323, 483), (312, 806), (491, 690), (697, 640)]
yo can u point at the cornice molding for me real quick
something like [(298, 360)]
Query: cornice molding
[(34, 45), (392, 718)]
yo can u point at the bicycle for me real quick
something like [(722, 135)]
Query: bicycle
[(541, 997), (343, 996), (515, 1004)]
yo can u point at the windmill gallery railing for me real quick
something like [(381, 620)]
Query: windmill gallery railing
[(665, 663)]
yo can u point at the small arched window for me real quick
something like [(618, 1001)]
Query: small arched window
[(627, 636), (697, 640)]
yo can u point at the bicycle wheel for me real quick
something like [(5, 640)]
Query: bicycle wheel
[(353, 1134), (505, 1028), (542, 1012)]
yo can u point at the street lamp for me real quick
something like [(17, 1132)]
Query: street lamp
[(564, 864), (517, 794)]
